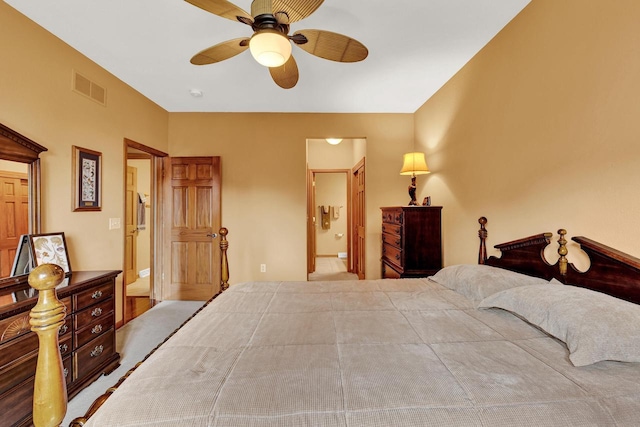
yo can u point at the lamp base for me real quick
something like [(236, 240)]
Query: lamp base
[(412, 192)]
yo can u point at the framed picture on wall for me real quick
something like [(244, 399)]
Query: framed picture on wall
[(50, 248), (87, 179)]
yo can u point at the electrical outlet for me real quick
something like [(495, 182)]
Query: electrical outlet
[(114, 223), (263, 268)]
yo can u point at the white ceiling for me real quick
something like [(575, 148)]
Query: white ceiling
[(415, 46)]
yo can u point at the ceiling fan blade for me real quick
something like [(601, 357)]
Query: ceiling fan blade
[(221, 51), (332, 46), (295, 9), (224, 9), (285, 76)]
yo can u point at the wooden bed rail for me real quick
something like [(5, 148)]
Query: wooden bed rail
[(50, 389)]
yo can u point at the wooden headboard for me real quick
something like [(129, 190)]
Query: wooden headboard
[(611, 271)]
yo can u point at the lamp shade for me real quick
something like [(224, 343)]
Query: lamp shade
[(334, 141), (270, 48), (414, 164)]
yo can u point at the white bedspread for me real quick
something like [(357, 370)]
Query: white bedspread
[(366, 353)]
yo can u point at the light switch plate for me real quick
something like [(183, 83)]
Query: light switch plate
[(114, 223)]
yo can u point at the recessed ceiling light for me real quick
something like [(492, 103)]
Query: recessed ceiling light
[(196, 93)]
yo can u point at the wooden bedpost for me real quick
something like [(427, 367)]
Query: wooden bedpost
[(224, 270), (482, 233), (50, 389), (562, 251)]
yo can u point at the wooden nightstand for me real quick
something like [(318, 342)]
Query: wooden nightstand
[(411, 241)]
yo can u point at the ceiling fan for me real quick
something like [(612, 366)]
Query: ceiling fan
[(270, 43)]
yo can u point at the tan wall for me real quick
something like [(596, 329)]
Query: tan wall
[(36, 100), (540, 131), (264, 184), (322, 155), (331, 192)]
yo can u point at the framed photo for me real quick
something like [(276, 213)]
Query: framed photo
[(50, 248), (87, 179)]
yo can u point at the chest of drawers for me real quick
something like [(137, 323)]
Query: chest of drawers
[(86, 340), (411, 241)]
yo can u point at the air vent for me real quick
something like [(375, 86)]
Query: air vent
[(91, 90)]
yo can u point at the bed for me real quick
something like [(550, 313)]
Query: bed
[(506, 342)]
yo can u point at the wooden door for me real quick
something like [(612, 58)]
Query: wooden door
[(311, 221), (359, 209), (191, 269), (14, 214), (131, 226)]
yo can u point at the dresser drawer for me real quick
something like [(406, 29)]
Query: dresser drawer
[(392, 254), (392, 239), (18, 404), (388, 272), (393, 216), (89, 314), (65, 345), (18, 347), (92, 296), (19, 370), (14, 326), (66, 328), (391, 228), (93, 353), (94, 329), (66, 369)]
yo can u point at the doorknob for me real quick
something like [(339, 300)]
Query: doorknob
[(212, 235)]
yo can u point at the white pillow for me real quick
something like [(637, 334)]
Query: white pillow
[(595, 326), (476, 281)]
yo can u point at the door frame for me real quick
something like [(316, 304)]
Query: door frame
[(153, 221), (311, 215)]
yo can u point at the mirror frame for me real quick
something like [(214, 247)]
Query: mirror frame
[(18, 148)]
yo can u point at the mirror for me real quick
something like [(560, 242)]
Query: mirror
[(20, 193)]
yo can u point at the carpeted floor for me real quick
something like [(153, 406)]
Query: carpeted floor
[(331, 268), (134, 341)]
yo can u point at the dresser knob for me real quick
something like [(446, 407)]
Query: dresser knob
[(66, 372), (63, 348), (398, 257), (398, 242), (96, 294), (97, 351), (96, 329), (96, 312), (63, 330)]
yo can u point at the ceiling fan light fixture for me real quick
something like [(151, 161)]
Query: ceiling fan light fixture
[(270, 48)]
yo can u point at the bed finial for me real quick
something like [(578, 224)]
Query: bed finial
[(224, 270), (482, 233), (50, 389), (562, 251)]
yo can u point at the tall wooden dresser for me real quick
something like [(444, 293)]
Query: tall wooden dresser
[(411, 241), (87, 339)]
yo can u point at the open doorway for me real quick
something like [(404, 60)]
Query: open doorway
[(142, 206), (333, 247), (331, 253)]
